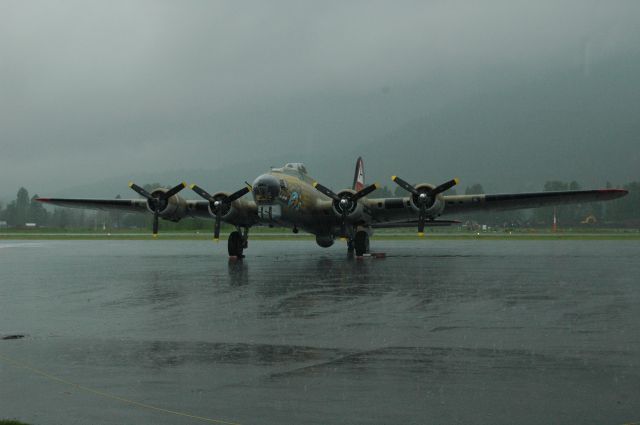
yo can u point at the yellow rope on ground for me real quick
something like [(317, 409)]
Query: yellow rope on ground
[(124, 400), (42, 373)]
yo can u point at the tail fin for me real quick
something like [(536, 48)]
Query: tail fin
[(358, 178)]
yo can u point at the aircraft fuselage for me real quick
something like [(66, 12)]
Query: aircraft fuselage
[(289, 200)]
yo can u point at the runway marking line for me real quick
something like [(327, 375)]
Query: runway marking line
[(51, 377)]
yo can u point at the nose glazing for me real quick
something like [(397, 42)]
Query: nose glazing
[(266, 189)]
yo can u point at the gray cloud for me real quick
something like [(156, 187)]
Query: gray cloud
[(95, 89)]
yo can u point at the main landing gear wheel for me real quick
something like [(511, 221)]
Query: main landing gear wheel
[(236, 244), (361, 243)]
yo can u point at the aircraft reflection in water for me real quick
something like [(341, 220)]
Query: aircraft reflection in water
[(288, 197), (311, 285), (238, 273)]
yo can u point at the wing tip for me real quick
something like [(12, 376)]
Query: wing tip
[(616, 193)]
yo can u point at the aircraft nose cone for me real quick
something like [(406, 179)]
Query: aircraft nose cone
[(266, 189)]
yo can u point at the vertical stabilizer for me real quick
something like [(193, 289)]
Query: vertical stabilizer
[(358, 178)]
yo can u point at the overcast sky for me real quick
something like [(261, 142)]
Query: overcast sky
[(92, 90)]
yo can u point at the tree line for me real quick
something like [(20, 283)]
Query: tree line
[(25, 211)]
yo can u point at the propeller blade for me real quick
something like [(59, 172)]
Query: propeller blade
[(421, 219), (444, 186), (203, 193), (140, 190), (218, 208), (364, 192), (155, 223), (404, 184), (168, 194), (236, 195), (326, 191), (216, 228), (346, 202), (156, 201), (423, 197)]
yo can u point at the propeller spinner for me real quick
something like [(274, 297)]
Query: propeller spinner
[(423, 197)]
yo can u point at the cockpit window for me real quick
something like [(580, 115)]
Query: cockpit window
[(294, 169)]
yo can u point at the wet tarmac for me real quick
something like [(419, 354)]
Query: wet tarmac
[(439, 332)]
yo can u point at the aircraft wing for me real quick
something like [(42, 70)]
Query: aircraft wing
[(244, 213), (125, 205), (510, 201), (399, 212), (194, 208)]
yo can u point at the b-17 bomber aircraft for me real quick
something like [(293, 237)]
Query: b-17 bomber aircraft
[(289, 197)]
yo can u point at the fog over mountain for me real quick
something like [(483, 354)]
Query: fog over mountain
[(508, 94)]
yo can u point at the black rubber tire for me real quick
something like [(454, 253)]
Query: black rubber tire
[(235, 244), (361, 243)]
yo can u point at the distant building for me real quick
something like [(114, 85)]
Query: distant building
[(30, 225), (3, 224)]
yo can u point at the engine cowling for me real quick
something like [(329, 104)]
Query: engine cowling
[(435, 204), (174, 208), (226, 209), (221, 205), (345, 204), (229, 210), (354, 209)]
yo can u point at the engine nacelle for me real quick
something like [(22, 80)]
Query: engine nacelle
[(230, 211), (227, 209), (355, 210), (435, 205), (325, 241), (173, 209)]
